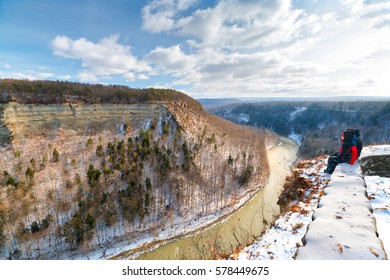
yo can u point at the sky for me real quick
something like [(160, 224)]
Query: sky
[(226, 48)]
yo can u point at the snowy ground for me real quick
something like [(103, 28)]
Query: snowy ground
[(375, 150), (296, 137), (344, 227), (378, 191), (283, 240)]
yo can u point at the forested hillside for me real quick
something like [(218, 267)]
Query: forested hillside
[(85, 169), (57, 92), (315, 125)]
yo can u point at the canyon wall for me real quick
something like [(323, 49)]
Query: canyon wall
[(82, 179)]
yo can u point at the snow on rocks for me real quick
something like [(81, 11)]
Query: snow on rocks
[(283, 239), (376, 150), (378, 191)]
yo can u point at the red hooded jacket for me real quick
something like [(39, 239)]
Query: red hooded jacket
[(352, 150)]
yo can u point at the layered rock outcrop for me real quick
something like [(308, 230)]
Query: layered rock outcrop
[(77, 177)]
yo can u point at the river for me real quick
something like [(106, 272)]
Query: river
[(232, 231)]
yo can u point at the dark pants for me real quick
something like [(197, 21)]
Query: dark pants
[(332, 163)]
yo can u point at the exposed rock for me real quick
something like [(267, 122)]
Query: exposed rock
[(52, 170), (376, 164)]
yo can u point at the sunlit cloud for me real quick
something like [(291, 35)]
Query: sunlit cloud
[(249, 48), (99, 60), (28, 75), (262, 47)]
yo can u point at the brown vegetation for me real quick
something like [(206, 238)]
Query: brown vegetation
[(293, 189)]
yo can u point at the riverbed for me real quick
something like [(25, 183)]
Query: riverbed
[(234, 230)]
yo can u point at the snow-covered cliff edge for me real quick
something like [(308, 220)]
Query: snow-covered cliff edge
[(343, 216)]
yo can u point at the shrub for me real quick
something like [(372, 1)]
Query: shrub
[(3, 238), (147, 200), (211, 139), (93, 175), (46, 222), (15, 254), (148, 183), (89, 142), (56, 155), (11, 181), (74, 230), (99, 151), (245, 176), (120, 147), (34, 227), (230, 160), (30, 173), (90, 221)]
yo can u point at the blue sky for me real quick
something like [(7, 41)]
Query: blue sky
[(227, 48)]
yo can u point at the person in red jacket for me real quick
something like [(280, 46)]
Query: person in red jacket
[(348, 152)]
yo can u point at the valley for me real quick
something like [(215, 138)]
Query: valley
[(79, 174), (315, 125)]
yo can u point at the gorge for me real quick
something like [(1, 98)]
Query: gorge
[(86, 169)]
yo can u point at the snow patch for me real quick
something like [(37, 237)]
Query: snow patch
[(378, 191), (122, 128), (146, 124), (298, 110), (375, 151), (296, 137), (243, 118)]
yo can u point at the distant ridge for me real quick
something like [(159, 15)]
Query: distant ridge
[(57, 92), (217, 102)]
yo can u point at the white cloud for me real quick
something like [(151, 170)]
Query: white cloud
[(251, 48), (354, 6), (230, 24), (99, 60), (131, 77), (171, 59), (271, 47), (65, 77), (28, 75), (7, 66), (159, 15)]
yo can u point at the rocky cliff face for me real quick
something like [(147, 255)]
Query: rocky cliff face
[(4, 132), (78, 177)]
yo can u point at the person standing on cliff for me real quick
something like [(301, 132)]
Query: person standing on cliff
[(348, 152)]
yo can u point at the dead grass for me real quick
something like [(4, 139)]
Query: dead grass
[(293, 189)]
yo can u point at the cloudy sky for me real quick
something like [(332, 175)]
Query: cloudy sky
[(226, 48)]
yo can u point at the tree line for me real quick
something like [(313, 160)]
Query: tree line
[(48, 92)]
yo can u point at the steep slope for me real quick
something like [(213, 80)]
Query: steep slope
[(81, 171)]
